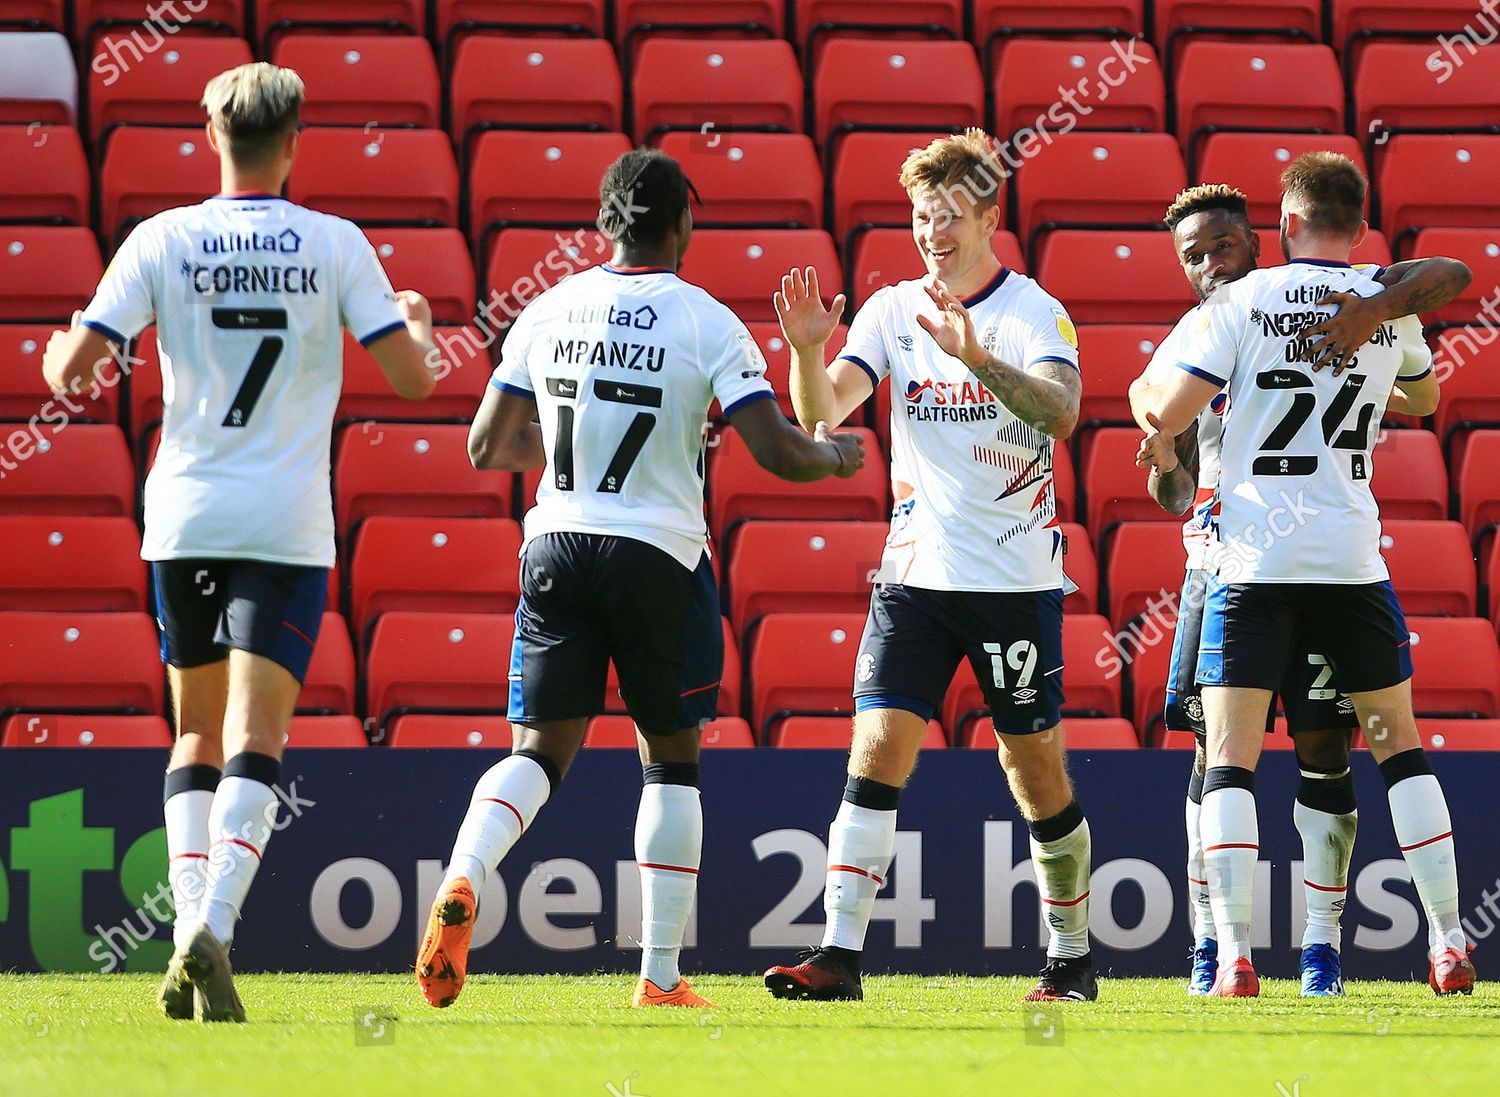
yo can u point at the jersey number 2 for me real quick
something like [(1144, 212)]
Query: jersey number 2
[(266, 356)]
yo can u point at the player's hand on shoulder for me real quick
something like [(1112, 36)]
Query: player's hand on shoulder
[(953, 330), (799, 307), (1337, 339), (851, 449)]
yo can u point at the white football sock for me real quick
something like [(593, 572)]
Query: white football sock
[(1231, 844), (506, 799), (1424, 831), (1327, 846), (1199, 911), (668, 849), (240, 823), (186, 814), (1062, 877), (861, 843)]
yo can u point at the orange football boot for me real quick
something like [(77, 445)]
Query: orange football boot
[(443, 960), (648, 993)]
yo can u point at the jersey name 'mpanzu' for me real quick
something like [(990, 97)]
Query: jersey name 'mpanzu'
[(623, 365), (974, 504), (1295, 498), (252, 365)]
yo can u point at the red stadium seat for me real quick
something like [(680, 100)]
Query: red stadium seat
[(1409, 480), (275, 17), (1081, 566), (802, 664), (62, 562), (1114, 487), (743, 267), (717, 84), (457, 19), (435, 263), (740, 489), (143, 390), (367, 394), (413, 469), (1253, 163), (818, 20), (1372, 249), (44, 176), (1064, 483), (751, 178), (524, 262), (1031, 71), (160, 88), (1431, 567), (773, 345), (1478, 484), (866, 183), (803, 567), (1456, 667), (91, 17), (24, 393), (883, 257), (379, 177), (618, 732), (1145, 653), (364, 79), (1480, 249), (1257, 86), (1178, 21), (1467, 363), (71, 662), (997, 20), (56, 730), (729, 684), (84, 469), (535, 83), (1440, 734), (636, 20), (1078, 733), (1110, 180), (325, 733), (1394, 90), (46, 273), (38, 80), (835, 733), (1357, 22), (434, 565), (528, 178), (438, 662), (35, 15), (1436, 180), (1114, 355), (329, 686), (148, 169), (1146, 562), (426, 731), (1115, 277), (894, 83)]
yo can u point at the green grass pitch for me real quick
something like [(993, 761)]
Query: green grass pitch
[(351, 1035)]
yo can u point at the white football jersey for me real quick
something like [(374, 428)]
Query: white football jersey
[(623, 365), (249, 295), (1295, 498), (974, 503), (1196, 528)]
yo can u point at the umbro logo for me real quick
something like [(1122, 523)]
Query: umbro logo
[(1024, 694), (905, 341)]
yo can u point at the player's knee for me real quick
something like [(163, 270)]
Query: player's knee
[(1324, 751), (681, 747)]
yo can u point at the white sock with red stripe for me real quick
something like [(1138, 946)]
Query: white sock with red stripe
[(1061, 856), (1199, 911), (240, 823), (506, 799), (668, 850), (1326, 819), (1424, 831), (187, 799), (861, 843), (1231, 846)]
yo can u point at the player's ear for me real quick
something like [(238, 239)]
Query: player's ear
[(991, 219), (1360, 234), (213, 138)]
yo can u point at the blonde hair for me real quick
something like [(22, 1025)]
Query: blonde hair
[(963, 163), (1329, 192), (254, 107), (1207, 196)]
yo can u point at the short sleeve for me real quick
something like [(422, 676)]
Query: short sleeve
[(735, 367), (513, 374), (1052, 337), (1211, 344), (125, 302), (865, 346), (367, 303), (1416, 355), (1164, 358)]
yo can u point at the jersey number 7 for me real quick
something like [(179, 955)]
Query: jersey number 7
[(266, 356)]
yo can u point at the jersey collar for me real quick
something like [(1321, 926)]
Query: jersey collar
[(244, 197), (636, 270), (994, 284), (1322, 263)]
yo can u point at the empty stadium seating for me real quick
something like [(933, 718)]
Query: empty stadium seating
[(1479, 248), (148, 169), (368, 395), (129, 85), (457, 19), (803, 567), (24, 394), (92, 17), (886, 256), (437, 661), (81, 469), (1114, 487), (1479, 484), (523, 262), (1031, 72), (557, 83), (1466, 360), (743, 267), (996, 21), (79, 662), (38, 79), (1456, 667), (377, 177), (636, 20), (325, 733), (802, 664), (1394, 90), (1181, 21), (1409, 480), (819, 20), (1113, 355), (715, 85), (364, 80), (57, 730), (1431, 567), (896, 84), (1436, 180), (44, 176), (435, 263), (429, 730), (519, 177), (1115, 277), (1146, 560), (275, 17), (329, 685), (1359, 23), (68, 562), (46, 273), (1081, 566), (1253, 163), (751, 178)]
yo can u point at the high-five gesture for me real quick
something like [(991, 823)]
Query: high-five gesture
[(804, 320), (953, 330)]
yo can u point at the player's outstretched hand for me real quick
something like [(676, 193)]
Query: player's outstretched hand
[(799, 307), (851, 449), (1158, 450), (953, 330), (1337, 340)]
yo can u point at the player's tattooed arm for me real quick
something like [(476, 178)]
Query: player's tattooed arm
[(1174, 486), (1415, 286)]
